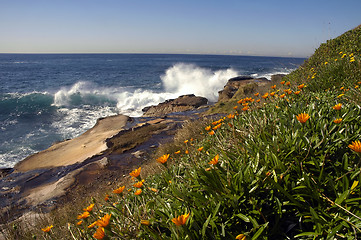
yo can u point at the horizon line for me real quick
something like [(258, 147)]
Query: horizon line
[(144, 53)]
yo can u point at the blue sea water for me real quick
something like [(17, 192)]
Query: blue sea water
[(45, 98)]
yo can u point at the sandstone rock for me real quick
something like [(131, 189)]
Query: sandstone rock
[(180, 104), (234, 84)]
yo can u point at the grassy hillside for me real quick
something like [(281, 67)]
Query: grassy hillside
[(283, 164)]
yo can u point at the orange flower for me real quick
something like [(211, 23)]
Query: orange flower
[(283, 82), (163, 159), (241, 237), (211, 132), (265, 96), (99, 234), (287, 83), (298, 92), (89, 208), (83, 215), (177, 152), (200, 149), (258, 100), (104, 221), (47, 229), (273, 87), (282, 96), (302, 117), (135, 173), (138, 192), (301, 86), (181, 220), (245, 108), (153, 189), (272, 94), (186, 152), (185, 141), (230, 116), (119, 190), (337, 106), (207, 128), (138, 184), (106, 198), (356, 146), (79, 223), (256, 94), (235, 107), (93, 224), (338, 120), (145, 222), (214, 161)]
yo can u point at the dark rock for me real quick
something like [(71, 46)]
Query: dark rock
[(277, 77), (5, 171), (180, 104), (234, 84)]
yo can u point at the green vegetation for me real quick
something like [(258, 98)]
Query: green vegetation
[(262, 172)]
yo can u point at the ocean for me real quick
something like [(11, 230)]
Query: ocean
[(46, 98)]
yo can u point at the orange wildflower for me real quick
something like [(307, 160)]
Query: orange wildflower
[(200, 149), (135, 173), (207, 128), (298, 92), (138, 192), (272, 94), (106, 198), (214, 161), (265, 96), (47, 229), (138, 184), (273, 87), (89, 208), (338, 120), (177, 152), (258, 100), (282, 96), (104, 221), (241, 237), (163, 159), (83, 215), (301, 86), (187, 152), (256, 94), (79, 223), (302, 117), (230, 116), (145, 222), (99, 234), (337, 106), (235, 107), (153, 189), (287, 83), (119, 190), (93, 224), (186, 141), (283, 82), (211, 132), (245, 108), (181, 220), (356, 146)]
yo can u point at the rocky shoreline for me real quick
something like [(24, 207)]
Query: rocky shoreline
[(105, 153)]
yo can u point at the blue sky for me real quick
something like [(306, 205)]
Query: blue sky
[(256, 27)]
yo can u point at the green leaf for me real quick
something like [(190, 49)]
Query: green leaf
[(205, 225), (343, 196), (307, 234), (243, 217), (260, 231)]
